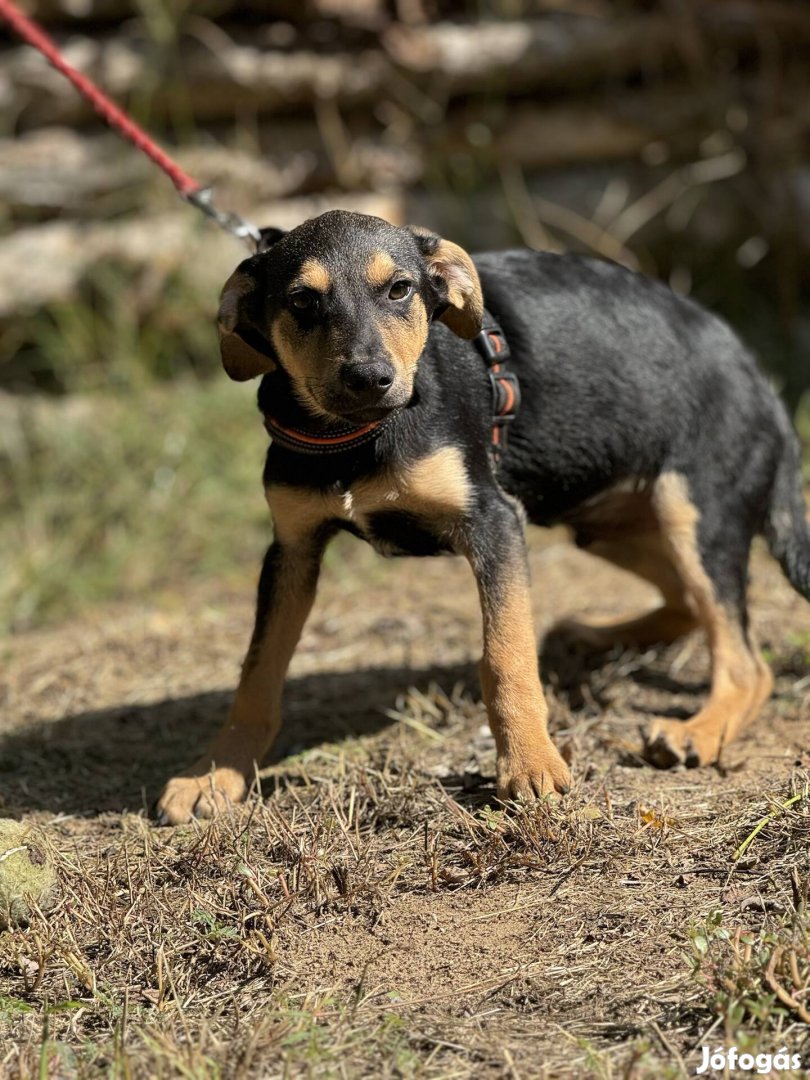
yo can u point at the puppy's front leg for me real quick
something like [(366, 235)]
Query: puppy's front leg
[(286, 591), (528, 763)]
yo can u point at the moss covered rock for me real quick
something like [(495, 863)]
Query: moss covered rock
[(27, 876)]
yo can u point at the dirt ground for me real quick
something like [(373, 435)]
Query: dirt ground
[(376, 913)]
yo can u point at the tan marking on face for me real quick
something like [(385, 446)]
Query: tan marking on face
[(379, 269), (287, 339), (300, 356), (314, 275), (741, 681), (404, 338)]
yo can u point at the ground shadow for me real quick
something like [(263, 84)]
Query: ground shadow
[(118, 759), (574, 669)]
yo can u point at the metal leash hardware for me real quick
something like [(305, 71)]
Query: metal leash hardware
[(188, 188), (202, 199)]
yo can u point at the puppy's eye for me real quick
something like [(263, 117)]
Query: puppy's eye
[(400, 290), (303, 300)]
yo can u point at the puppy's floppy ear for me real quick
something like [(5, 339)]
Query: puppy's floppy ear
[(268, 237), (245, 351), (454, 273)]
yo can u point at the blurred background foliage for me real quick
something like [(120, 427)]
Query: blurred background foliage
[(670, 135)]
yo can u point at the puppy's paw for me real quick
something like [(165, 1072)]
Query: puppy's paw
[(199, 796), (675, 742), (531, 776)]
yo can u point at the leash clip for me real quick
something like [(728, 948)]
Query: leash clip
[(244, 230)]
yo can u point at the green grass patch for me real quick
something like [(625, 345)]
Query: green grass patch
[(757, 978), (133, 495), (125, 330), (113, 496)]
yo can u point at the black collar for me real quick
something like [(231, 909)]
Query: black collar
[(330, 441)]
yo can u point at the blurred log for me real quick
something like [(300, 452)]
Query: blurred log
[(351, 12), (208, 83), (54, 171), (669, 120), (48, 263), (222, 72), (571, 51), (579, 131), (51, 11), (528, 54), (373, 12)]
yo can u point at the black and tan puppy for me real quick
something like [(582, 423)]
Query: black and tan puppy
[(645, 426)]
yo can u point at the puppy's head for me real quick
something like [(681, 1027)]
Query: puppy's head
[(343, 304)]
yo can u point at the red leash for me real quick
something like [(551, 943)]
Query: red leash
[(186, 185)]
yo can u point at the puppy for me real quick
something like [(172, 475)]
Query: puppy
[(645, 426)]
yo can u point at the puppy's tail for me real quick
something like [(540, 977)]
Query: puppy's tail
[(787, 528)]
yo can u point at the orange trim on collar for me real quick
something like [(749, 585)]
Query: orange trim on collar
[(305, 443), (321, 440)]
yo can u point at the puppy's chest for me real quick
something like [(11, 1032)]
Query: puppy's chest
[(406, 531), (411, 510)]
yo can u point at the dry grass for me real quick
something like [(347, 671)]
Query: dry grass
[(375, 913), (310, 933), (284, 937)]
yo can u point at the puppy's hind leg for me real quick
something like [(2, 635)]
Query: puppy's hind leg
[(711, 553), (646, 556)]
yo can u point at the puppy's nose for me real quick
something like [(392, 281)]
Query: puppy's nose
[(367, 380)]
